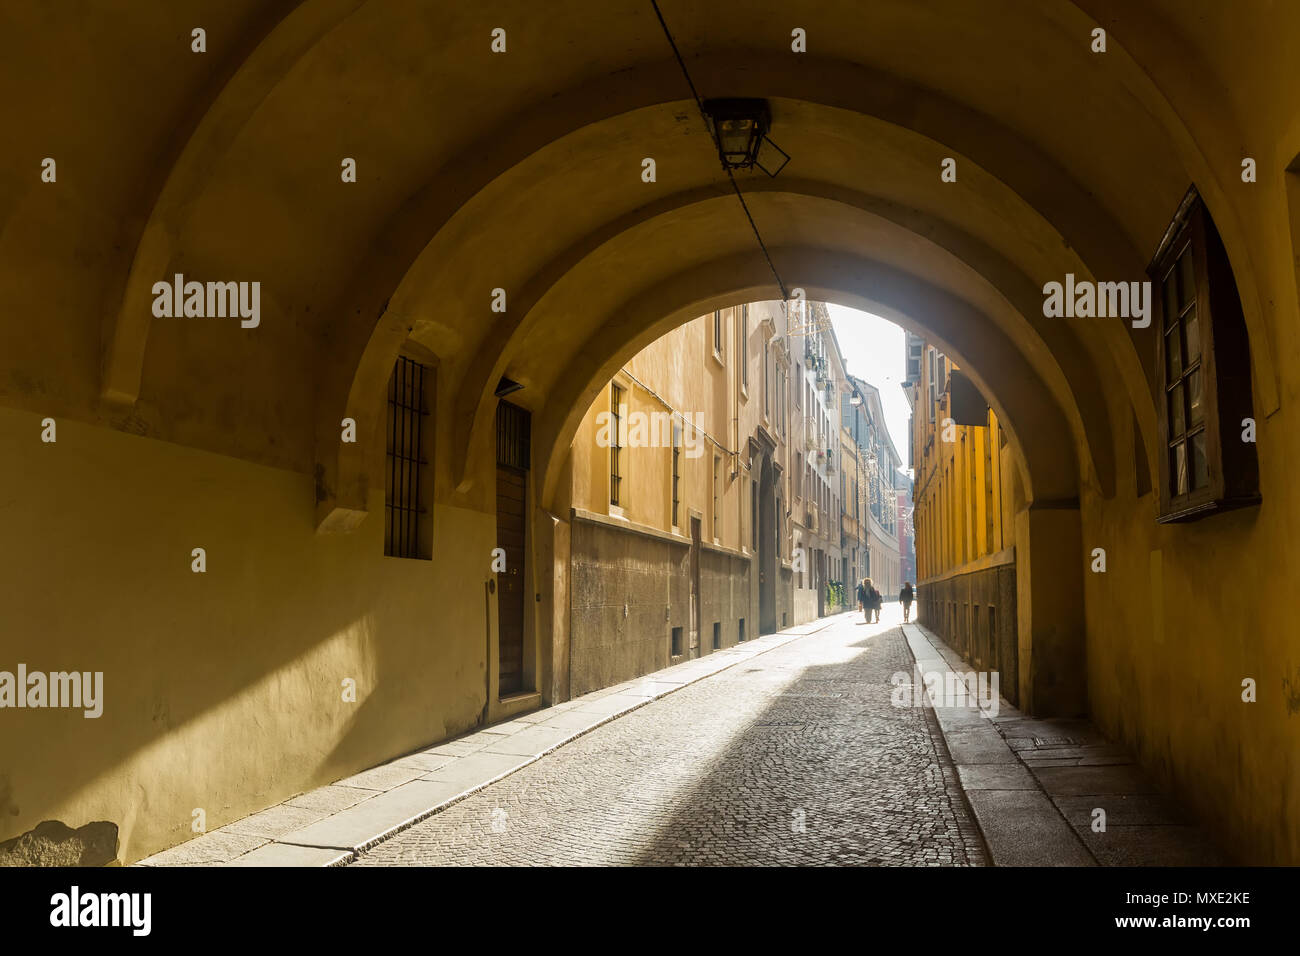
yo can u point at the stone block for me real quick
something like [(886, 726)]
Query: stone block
[(368, 822), (289, 854), (53, 843), (1023, 828), (275, 821), (385, 777), (331, 799)]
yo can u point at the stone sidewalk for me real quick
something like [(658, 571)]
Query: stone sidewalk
[(1035, 785), (331, 825)]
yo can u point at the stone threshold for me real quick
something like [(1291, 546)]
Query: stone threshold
[(1035, 786), (332, 825)]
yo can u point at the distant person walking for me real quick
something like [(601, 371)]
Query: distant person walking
[(906, 596), (862, 596), (874, 601), (866, 590)]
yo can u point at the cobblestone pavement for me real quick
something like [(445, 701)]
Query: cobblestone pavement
[(793, 757)]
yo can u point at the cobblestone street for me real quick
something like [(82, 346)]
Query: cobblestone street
[(793, 757)]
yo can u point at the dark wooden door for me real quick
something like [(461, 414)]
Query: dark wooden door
[(511, 492)]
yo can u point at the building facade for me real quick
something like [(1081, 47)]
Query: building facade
[(906, 545), (852, 515), (708, 494), (815, 519), (678, 480), (879, 473), (964, 488)]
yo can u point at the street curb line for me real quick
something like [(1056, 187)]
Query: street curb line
[(936, 731), (351, 854), (930, 637)]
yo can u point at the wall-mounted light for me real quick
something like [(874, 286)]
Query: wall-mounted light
[(739, 128)]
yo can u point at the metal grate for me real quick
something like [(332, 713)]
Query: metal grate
[(403, 507), (615, 448), (677, 471), (514, 436)]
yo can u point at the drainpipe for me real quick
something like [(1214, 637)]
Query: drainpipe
[(489, 588)]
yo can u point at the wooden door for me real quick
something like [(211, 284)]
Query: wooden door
[(511, 493)]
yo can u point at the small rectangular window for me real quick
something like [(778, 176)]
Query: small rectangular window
[(677, 471), (407, 533), (742, 631), (933, 388), (675, 646), (717, 635), (717, 498), (615, 446)]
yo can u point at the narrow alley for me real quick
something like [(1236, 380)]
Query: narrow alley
[(794, 757)]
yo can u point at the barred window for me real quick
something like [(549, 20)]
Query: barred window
[(615, 445), (717, 498), (407, 529), (677, 470), (932, 382)]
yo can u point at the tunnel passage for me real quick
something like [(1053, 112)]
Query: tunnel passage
[(520, 173)]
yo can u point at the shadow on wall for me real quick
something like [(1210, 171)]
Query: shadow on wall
[(223, 690)]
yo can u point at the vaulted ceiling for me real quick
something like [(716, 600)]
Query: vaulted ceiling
[(522, 171)]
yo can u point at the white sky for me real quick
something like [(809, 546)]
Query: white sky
[(874, 350)]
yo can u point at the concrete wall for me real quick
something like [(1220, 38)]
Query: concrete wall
[(631, 587), (804, 603), (785, 603)]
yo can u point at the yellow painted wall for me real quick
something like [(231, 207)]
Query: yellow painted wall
[(222, 689), (1213, 602), (960, 490), (1205, 620), (679, 374)]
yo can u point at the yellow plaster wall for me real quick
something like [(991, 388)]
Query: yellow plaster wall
[(678, 373), (222, 690), (1185, 613)]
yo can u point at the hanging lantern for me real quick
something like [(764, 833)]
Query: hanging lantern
[(739, 128)]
